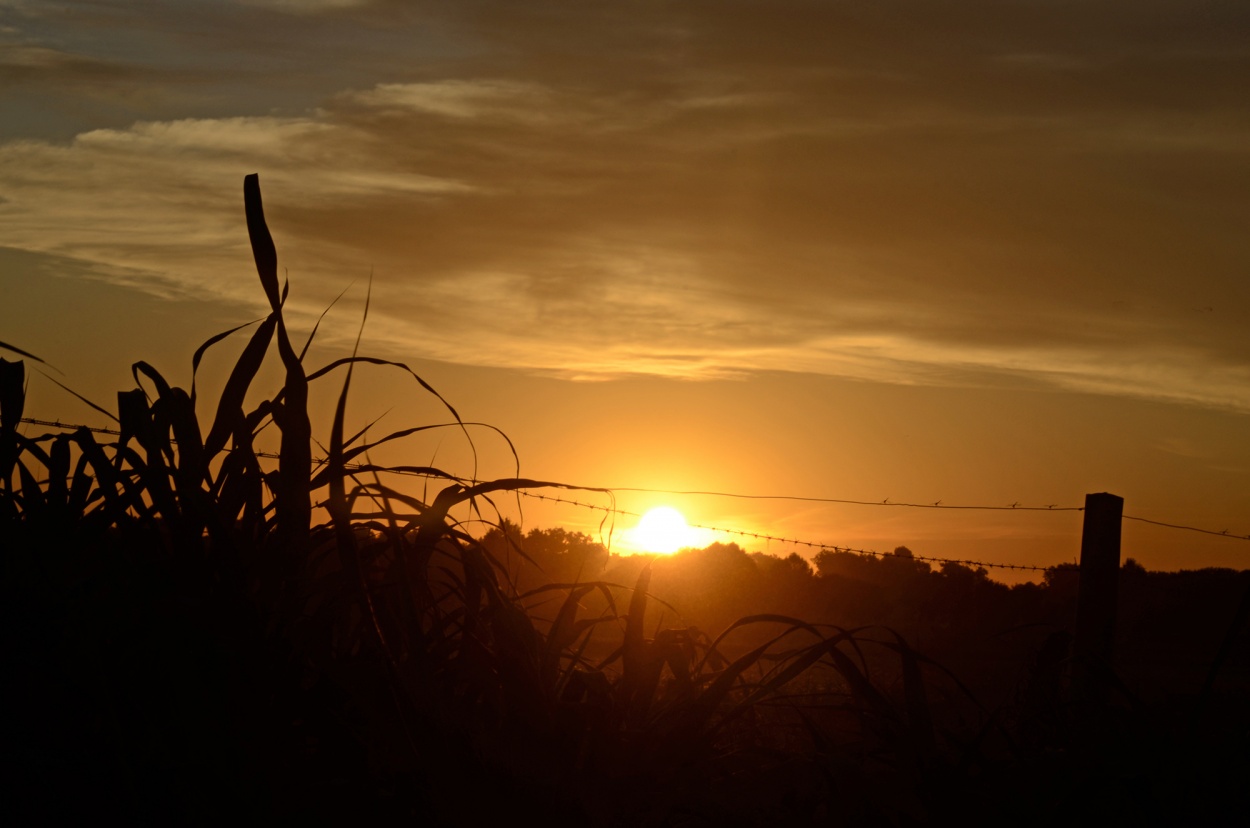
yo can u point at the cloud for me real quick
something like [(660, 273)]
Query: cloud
[(164, 197), (22, 64), (306, 6), (930, 198), (458, 98)]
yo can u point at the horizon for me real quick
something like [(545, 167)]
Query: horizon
[(956, 256)]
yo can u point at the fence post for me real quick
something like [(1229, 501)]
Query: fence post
[(1094, 641)]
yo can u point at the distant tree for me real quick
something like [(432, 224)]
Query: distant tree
[(798, 564), (831, 562), (1060, 574), (793, 564), (545, 555), (565, 555)]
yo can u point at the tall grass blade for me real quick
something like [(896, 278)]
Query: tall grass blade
[(313, 333), (102, 410), (325, 369), (634, 647), (12, 404), (229, 415), (58, 472), (263, 250), (198, 356), (294, 509), (20, 352)]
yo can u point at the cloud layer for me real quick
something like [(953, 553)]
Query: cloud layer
[(982, 194)]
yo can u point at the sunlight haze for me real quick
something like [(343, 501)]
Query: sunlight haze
[(950, 254), (663, 529)]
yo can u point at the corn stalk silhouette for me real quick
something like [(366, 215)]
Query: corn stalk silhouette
[(391, 601)]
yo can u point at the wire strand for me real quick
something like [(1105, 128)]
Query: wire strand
[(1012, 507), (825, 547), (1224, 534), (1053, 507)]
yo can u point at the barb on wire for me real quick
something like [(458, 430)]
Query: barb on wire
[(1010, 507), (68, 426), (1224, 534)]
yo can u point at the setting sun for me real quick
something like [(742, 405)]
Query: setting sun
[(755, 413), (664, 530)]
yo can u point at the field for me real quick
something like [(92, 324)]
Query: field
[(185, 640)]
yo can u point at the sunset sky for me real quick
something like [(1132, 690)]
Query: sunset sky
[(962, 252)]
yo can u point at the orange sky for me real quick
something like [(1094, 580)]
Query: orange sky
[(980, 253)]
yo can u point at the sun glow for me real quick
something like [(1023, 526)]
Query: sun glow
[(663, 530)]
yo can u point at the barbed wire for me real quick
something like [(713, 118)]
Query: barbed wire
[(1011, 507), (69, 426), (820, 547), (1051, 507), (1224, 534)]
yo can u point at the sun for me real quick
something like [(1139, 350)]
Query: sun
[(663, 530)]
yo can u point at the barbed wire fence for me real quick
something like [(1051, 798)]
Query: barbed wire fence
[(793, 541), (818, 546)]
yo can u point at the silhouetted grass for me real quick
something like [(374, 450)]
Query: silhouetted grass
[(186, 642)]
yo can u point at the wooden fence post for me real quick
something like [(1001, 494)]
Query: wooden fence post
[(1094, 642)]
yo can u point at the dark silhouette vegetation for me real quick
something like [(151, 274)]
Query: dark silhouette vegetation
[(187, 640)]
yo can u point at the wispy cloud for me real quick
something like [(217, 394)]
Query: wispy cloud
[(164, 197), (953, 198), (306, 6), (461, 99)]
